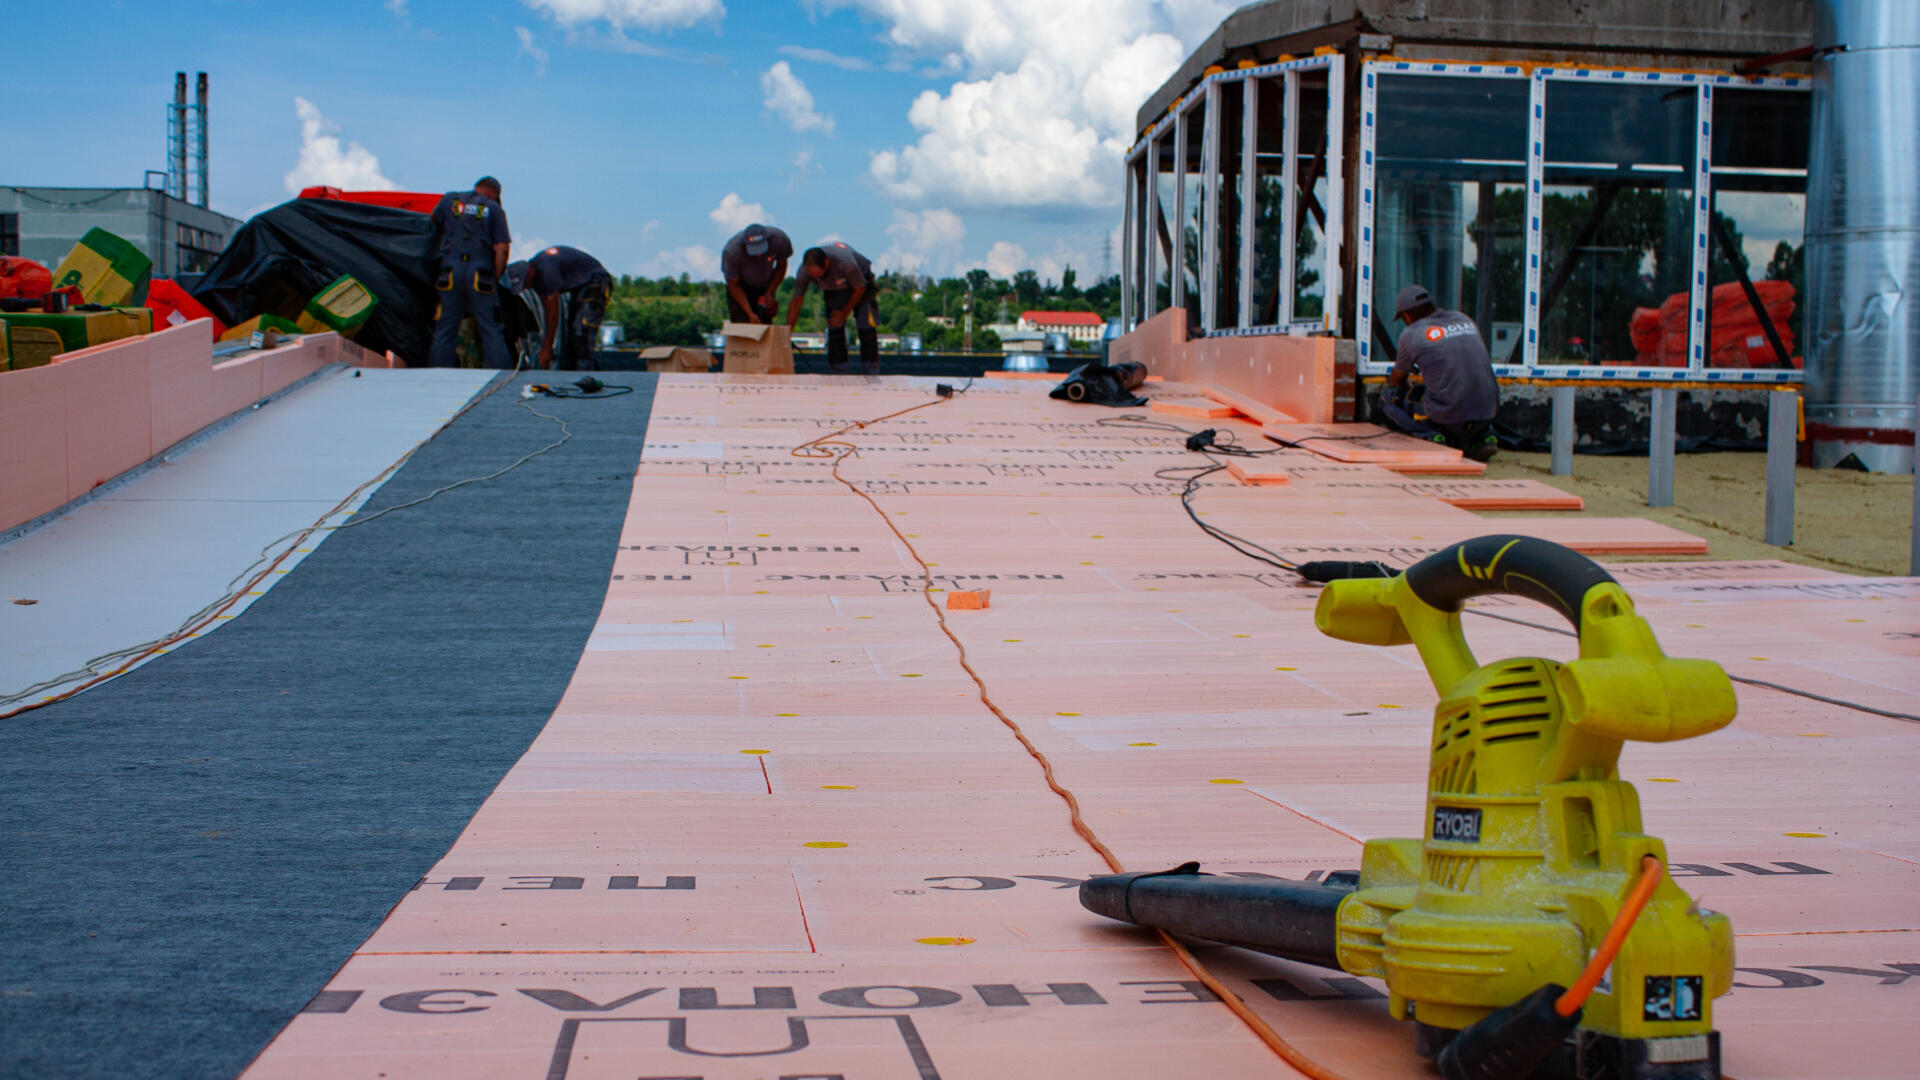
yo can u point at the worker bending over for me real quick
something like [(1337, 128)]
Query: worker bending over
[(586, 285), (1461, 395), (847, 285), (470, 232), (754, 263)]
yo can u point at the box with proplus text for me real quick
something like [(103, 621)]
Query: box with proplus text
[(757, 349), (677, 358)]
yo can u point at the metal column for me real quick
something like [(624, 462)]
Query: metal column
[(1177, 228), (1289, 176), (1249, 191), (1660, 446), (1783, 432), (1128, 277), (1335, 234), (1209, 275), (1562, 460), (1150, 229)]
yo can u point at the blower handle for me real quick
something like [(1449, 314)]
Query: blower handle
[(1526, 566)]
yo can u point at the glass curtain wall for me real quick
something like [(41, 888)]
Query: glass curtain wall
[(1193, 207), (1270, 151), (1310, 204), (1226, 278), (1758, 228), (1617, 223), (1450, 203)]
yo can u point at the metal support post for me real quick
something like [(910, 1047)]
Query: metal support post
[(1660, 446), (1177, 263), (1209, 274), (1249, 194), (1783, 431), (1913, 558), (1562, 461)]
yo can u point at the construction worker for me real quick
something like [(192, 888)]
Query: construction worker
[(847, 288), (470, 231), (558, 271), (754, 263), (1461, 394)]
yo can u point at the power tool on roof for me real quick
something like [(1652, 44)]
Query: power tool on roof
[(1531, 932)]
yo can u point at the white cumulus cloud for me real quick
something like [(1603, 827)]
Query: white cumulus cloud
[(325, 161), (623, 14), (923, 242), (1044, 106), (735, 213), (697, 261), (529, 48), (1006, 258), (789, 97)]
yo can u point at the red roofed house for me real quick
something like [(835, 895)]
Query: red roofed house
[(1077, 325)]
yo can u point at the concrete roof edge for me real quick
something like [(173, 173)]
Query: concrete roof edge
[(1732, 28)]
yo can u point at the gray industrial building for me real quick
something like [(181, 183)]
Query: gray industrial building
[(43, 223), (1612, 189)]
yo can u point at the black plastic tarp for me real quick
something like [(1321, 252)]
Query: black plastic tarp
[(282, 257)]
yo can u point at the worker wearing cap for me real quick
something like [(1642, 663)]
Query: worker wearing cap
[(847, 289), (1461, 396), (570, 272), (470, 233), (754, 263)]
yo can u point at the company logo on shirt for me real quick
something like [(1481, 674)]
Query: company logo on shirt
[(1444, 331), (467, 209)]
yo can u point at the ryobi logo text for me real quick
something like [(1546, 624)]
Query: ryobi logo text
[(1455, 824)]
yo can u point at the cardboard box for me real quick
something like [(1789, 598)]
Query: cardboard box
[(677, 358), (758, 349), (76, 328)]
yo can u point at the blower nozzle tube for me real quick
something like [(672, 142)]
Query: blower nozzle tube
[(1295, 920)]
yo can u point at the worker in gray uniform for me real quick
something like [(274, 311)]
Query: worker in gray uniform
[(470, 232), (753, 264), (1460, 396), (567, 271), (847, 289)]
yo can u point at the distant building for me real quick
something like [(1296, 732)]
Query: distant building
[(44, 223), (1023, 341), (940, 320), (1077, 325)]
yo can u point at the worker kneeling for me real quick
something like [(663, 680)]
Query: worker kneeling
[(1460, 396)]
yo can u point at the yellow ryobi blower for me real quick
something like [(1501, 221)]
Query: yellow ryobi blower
[(1532, 931)]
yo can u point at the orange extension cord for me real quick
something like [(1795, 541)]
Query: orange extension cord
[(832, 446), (1651, 871)]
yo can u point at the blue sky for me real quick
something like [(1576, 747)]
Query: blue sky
[(931, 134)]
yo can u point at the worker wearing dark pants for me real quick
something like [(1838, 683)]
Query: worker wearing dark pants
[(753, 264), (1461, 394), (570, 272), (847, 287), (470, 230)]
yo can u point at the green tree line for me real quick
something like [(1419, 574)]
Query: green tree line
[(683, 311)]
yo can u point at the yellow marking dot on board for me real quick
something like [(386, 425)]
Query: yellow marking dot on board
[(739, 676), (256, 594), (1813, 734), (1153, 588), (1175, 610), (912, 675), (1286, 669), (1143, 744), (823, 844), (1086, 564), (1856, 620), (944, 940), (1696, 626), (1096, 536), (837, 787), (1416, 538), (933, 564), (786, 714), (303, 549), (1033, 513), (1011, 640), (719, 511), (912, 536), (1066, 714), (756, 751), (863, 616), (1386, 706), (760, 592), (683, 620), (1808, 835), (223, 616), (899, 513), (1662, 780), (1339, 513), (1756, 658), (733, 564), (763, 646), (1225, 780), (763, 536), (1243, 635)]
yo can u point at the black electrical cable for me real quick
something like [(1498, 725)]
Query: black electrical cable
[(1241, 544)]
